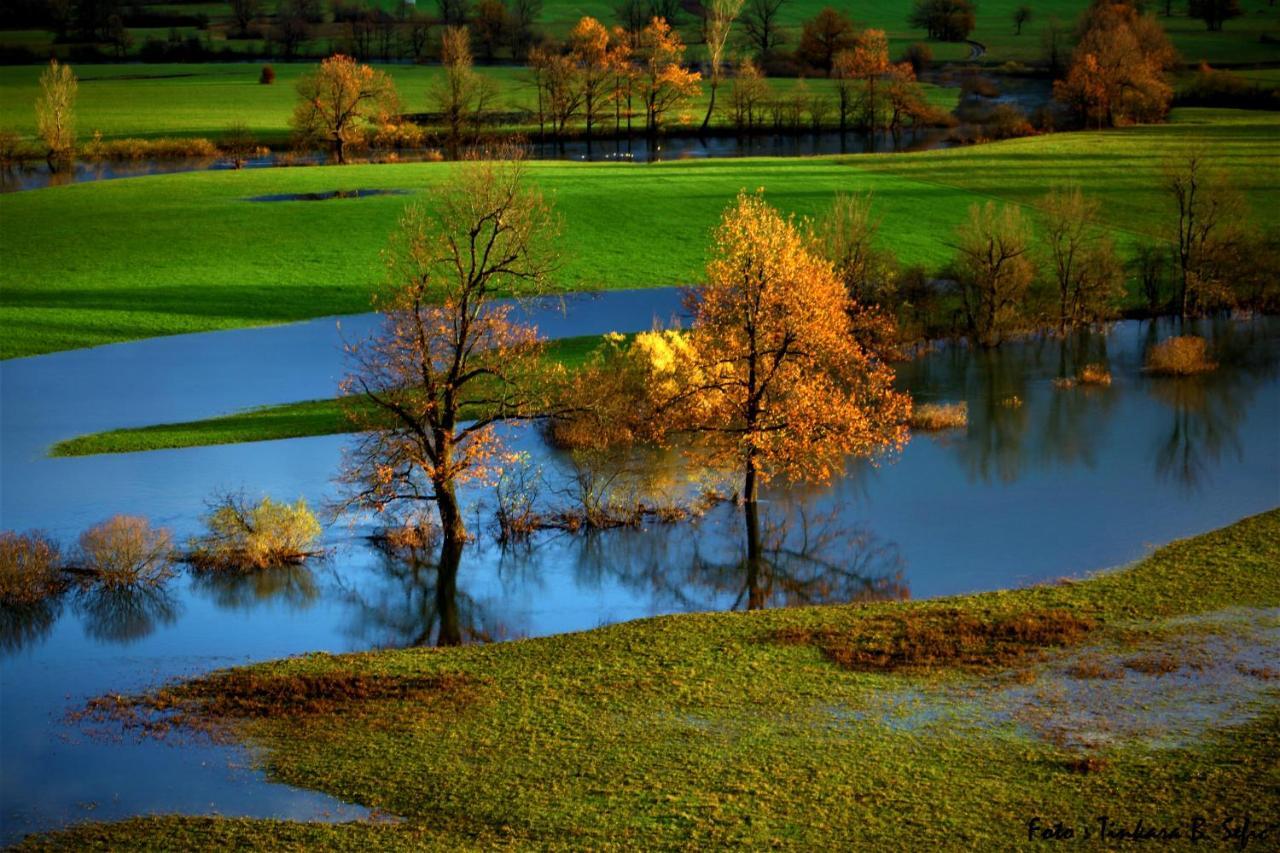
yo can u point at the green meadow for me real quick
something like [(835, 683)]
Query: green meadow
[(1241, 41), (851, 727), (202, 100), (94, 263)]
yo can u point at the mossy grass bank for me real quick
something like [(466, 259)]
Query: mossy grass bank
[(743, 729)]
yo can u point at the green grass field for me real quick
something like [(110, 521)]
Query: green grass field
[(269, 423), (740, 729), (1240, 41), (118, 260), (204, 99)]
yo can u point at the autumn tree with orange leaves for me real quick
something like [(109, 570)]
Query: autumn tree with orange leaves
[(449, 362), (777, 385), (667, 84), (337, 99), (1118, 68), (771, 377)]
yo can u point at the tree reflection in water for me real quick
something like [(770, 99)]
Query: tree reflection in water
[(22, 624), (125, 614), (1207, 409), (417, 603), (790, 555), (293, 585)]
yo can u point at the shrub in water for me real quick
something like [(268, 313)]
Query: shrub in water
[(259, 536), (938, 416), (125, 550), (1180, 356), (30, 570), (1095, 374)]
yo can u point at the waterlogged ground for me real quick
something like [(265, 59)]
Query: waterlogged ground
[(1042, 484)]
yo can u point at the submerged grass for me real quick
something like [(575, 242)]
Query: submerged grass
[(702, 730)]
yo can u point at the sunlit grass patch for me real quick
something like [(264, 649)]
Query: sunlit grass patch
[(931, 417), (943, 638)]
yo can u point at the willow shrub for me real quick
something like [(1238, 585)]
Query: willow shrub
[(30, 568), (259, 536)]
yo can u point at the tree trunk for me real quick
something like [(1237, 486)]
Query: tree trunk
[(756, 592), (447, 594), (706, 121)]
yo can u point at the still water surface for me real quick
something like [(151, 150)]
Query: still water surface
[(1043, 483)]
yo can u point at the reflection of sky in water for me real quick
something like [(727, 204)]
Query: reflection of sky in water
[(1065, 482)]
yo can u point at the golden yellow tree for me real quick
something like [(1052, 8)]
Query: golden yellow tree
[(781, 385), (666, 82), (589, 47), (450, 363), (55, 110), (338, 97)]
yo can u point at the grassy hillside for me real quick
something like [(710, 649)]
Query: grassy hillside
[(116, 260), (1239, 42), (1138, 695)]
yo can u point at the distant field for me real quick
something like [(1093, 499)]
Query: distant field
[(202, 99), (1240, 42), (117, 260)]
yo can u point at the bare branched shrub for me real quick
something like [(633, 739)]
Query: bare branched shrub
[(939, 416), (516, 494), (244, 536), (125, 550), (30, 567), (409, 536), (238, 144), (1179, 356)]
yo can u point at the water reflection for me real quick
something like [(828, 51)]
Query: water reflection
[(23, 624), (295, 586), (415, 601), (124, 615)]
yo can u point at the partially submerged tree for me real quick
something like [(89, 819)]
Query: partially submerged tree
[(994, 271), (717, 23), (450, 362), (1208, 231), (774, 382), (55, 110), (337, 99), (1081, 258)]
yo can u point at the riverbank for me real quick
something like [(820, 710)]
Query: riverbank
[(167, 254), (761, 728)]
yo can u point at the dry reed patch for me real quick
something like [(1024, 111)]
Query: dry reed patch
[(950, 638), (939, 416), (209, 704), (1092, 668), (1179, 356)]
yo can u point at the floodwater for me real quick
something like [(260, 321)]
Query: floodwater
[(639, 149), (1043, 483)]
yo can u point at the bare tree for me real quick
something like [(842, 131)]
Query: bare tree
[(1021, 16), (244, 13), (760, 21), (462, 94), (1081, 258), (994, 271), (450, 363), (1209, 229), (717, 22)]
